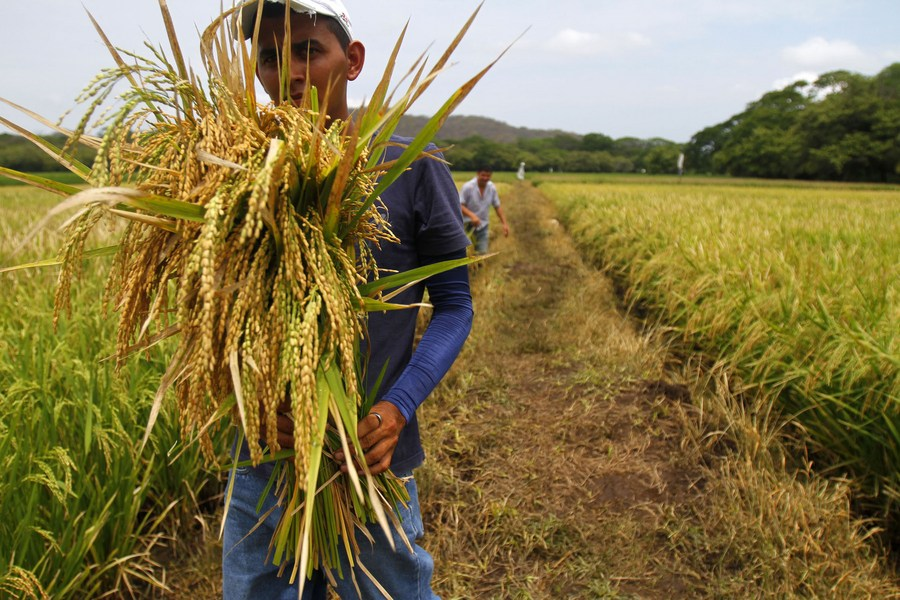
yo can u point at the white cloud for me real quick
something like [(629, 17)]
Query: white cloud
[(570, 41), (807, 76), (890, 56), (818, 52), (573, 41)]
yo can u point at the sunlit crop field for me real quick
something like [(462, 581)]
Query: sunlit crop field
[(79, 500), (794, 288)]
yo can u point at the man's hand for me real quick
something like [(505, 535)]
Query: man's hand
[(378, 437), (503, 220), (474, 221), (285, 426)]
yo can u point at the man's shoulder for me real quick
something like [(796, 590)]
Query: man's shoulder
[(401, 139), (398, 143), (425, 173), (395, 147), (423, 168)]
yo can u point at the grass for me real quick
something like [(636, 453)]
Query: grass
[(61, 177), (571, 456), (81, 506), (767, 527), (558, 464), (509, 514), (698, 180), (795, 290)]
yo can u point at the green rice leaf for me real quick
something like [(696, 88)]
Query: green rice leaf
[(372, 305), (415, 275), (123, 197), (325, 398), (57, 154), (52, 262), (63, 189)]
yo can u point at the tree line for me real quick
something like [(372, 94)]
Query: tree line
[(591, 153), (562, 152), (843, 126)]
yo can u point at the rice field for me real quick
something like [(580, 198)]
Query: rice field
[(81, 506), (793, 289)]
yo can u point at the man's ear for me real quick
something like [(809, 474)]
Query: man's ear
[(356, 58)]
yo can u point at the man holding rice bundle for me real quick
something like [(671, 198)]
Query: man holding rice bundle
[(424, 214)]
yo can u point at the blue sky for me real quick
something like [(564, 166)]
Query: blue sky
[(643, 68)]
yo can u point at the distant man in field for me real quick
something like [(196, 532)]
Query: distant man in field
[(476, 198)]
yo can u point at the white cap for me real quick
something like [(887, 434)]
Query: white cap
[(328, 8)]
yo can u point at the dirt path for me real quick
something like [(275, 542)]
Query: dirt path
[(554, 461), (554, 448)]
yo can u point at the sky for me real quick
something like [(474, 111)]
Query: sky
[(639, 68)]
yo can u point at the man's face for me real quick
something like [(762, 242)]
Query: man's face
[(317, 59), (484, 177)]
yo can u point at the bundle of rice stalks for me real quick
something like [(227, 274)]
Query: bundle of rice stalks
[(248, 235)]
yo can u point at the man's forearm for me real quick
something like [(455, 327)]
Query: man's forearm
[(468, 213), (442, 341)]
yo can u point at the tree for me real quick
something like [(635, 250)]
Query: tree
[(703, 146), (630, 147), (843, 126), (661, 159), (597, 142), (851, 131)]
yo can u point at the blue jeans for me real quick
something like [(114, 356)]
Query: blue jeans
[(480, 238), (247, 575)]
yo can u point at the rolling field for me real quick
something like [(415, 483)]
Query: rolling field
[(793, 289)]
